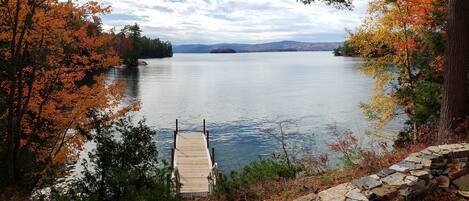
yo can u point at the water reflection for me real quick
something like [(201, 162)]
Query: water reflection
[(239, 93), (131, 77)]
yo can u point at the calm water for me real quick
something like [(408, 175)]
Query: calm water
[(239, 94)]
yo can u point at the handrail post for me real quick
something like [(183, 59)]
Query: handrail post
[(172, 159), (204, 126), (174, 140), (213, 156), (208, 141), (177, 126)]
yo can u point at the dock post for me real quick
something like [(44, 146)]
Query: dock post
[(213, 156), (177, 126), (174, 140), (172, 159), (204, 126), (207, 138)]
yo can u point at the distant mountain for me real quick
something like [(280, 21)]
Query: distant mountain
[(263, 47)]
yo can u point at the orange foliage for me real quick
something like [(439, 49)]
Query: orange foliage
[(50, 48)]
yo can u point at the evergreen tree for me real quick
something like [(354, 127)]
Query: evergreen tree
[(123, 166), (131, 45), (130, 35)]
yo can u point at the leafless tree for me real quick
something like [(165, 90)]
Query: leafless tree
[(280, 134)]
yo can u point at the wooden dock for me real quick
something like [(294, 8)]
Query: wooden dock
[(194, 167)]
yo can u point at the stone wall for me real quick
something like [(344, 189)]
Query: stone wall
[(410, 179)]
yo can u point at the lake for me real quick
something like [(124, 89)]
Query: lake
[(241, 95)]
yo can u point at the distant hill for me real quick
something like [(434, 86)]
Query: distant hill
[(263, 47)]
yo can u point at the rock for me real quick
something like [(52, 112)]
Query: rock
[(426, 163), (405, 192), (385, 172), (406, 166), (461, 152), (396, 179), (355, 194), (309, 197), (434, 149), (367, 182), (436, 171), (442, 181), (411, 180), (464, 193), (223, 50), (420, 173), (433, 157), (399, 168), (462, 182), (454, 147), (385, 192), (447, 149), (420, 186), (335, 193), (438, 165), (142, 63), (463, 159), (374, 176), (457, 169), (416, 158)]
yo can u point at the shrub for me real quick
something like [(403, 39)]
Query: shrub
[(262, 170), (346, 144), (123, 166)]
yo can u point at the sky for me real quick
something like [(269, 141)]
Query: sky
[(234, 21)]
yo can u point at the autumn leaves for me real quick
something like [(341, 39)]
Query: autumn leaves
[(47, 48)]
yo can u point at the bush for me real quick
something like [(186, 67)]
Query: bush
[(123, 166), (262, 170)]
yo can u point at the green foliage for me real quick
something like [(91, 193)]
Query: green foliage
[(155, 48), (261, 170), (267, 169), (351, 156), (345, 143), (132, 46), (131, 35), (325, 180), (346, 50), (123, 166)]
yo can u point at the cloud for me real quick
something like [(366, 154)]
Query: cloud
[(162, 9), (118, 17), (247, 21)]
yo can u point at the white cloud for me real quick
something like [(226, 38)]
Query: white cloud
[(248, 21)]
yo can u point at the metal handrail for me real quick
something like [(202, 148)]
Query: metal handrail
[(212, 177), (177, 179)]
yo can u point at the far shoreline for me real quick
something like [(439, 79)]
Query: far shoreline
[(253, 52)]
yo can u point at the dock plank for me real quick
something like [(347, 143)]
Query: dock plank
[(192, 158)]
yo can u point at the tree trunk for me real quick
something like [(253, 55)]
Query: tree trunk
[(454, 103)]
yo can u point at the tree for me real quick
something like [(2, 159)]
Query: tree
[(131, 45), (47, 48), (341, 4), (402, 42), (345, 50), (155, 48), (417, 51), (455, 97), (131, 35), (282, 137), (123, 166)]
